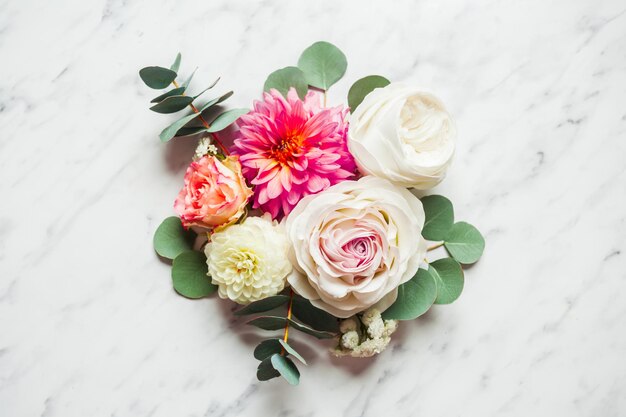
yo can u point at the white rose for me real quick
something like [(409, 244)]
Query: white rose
[(403, 135), (354, 244), (248, 261)]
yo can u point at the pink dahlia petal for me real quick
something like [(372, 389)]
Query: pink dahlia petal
[(290, 148)]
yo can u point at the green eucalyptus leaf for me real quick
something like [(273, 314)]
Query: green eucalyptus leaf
[(206, 89), (448, 275), (173, 92), (263, 305), (189, 275), (285, 78), (318, 319), (286, 368), (170, 131), (188, 80), (157, 77), (176, 65), (363, 87), (171, 239), (172, 104), (323, 64), (291, 351), (190, 130), (266, 371), (465, 243), (415, 297), (439, 217), (277, 323), (225, 119), (267, 348)]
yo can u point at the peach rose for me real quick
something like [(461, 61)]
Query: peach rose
[(214, 194)]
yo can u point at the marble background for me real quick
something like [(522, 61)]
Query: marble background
[(89, 323)]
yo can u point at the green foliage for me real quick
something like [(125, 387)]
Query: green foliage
[(290, 350), (267, 348), (191, 130), (190, 275), (318, 319), (415, 297), (286, 368), (171, 239), (188, 80), (263, 305), (323, 64), (170, 131), (172, 104), (465, 243), (226, 119), (439, 217), (173, 92), (206, 89), (176, 65), (363, 87), (285, 78), (277, 323), (448, 275), (266, 370), (157, 77)]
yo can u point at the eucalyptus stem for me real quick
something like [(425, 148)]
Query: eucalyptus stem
[(289, 310), (435, 246), (205, 123)]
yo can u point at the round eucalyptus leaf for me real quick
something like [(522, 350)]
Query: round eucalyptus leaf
[(225, 119), (266, 370), (267, 348), (291, 351), (286, 368), (323, 64), (285, 78), (465, 243), (172, 104), (157, 77), (363, 87), (448, 275), (439, 217), (415, 297), (171, 239), (189, 275)]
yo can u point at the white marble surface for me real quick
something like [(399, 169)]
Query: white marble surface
[(89, 324)]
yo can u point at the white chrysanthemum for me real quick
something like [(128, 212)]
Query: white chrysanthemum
[(248, 261)]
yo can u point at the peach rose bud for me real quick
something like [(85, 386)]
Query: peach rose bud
[(215, 193)]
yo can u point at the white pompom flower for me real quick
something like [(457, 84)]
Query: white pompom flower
[(248, 261)]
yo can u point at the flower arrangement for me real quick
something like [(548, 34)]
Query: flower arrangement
[(308, 219)]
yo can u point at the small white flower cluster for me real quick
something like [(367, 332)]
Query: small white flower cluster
[(364, 335), (205, 147)]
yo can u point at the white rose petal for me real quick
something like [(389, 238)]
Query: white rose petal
[(354, 244), (403, 135)]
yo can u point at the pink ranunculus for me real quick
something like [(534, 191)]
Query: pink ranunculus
[(215, 193)]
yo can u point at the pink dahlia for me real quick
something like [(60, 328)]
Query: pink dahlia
[(290, 148)]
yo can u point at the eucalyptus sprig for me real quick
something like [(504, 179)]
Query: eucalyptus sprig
[(443, 281), (275, 354), (320, 66), (177, 99)]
